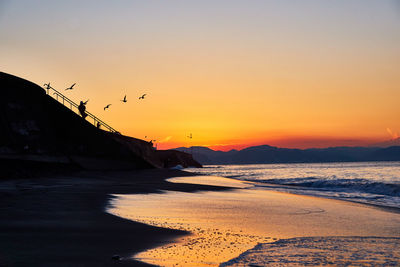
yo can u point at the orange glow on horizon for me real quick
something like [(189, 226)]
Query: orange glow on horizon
[(230, 73), (288, 142)]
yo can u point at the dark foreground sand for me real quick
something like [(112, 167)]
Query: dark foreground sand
[(60, 221)]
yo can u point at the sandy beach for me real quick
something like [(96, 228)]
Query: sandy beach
[(226, 224), (63, 220), (60, 221)]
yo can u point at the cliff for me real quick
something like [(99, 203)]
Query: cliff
[(171, 158), (34, 127)]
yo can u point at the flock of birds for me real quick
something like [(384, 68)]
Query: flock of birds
[(124, 100)]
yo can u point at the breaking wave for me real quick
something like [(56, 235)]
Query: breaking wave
[(375, 183)]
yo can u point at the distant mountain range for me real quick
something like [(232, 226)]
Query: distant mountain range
[(270, 154), (393, 142)]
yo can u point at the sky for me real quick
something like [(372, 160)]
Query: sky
[(232, 73)]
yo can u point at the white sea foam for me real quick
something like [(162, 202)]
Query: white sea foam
[(226, 226), (367, 182), (317, 251)]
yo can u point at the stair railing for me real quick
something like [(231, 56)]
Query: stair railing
[(71, 105)]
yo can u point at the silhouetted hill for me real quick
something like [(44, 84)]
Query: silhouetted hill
[(35, 127), (270, 154), (393, 142)]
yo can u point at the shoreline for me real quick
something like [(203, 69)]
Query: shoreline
[(61, 220), (246, 217), (364, 183), (377, 206)]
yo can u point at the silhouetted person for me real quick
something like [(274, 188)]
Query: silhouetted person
[(151, 143), (82, 109)]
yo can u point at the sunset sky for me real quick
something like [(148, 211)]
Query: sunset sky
[(233, 73)]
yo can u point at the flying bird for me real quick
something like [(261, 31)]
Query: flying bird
[(142, 97), (107, 106), (124, 100), (48, 86), (190, 136), (71, 87)]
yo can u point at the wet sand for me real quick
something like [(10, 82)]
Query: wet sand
[(60, 221), (226, 224)]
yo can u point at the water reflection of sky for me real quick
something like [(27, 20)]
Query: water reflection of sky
[(225, 224)]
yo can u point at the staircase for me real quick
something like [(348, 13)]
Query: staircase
[(74, 107)]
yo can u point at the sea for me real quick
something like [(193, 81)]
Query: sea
[(376, 183), (267, 221)]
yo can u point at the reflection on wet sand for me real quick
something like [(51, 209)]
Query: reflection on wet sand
[(225, 224), (205, 246)]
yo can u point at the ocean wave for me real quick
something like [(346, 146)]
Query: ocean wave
[(339, 185), (364, 182), (317, 251)]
